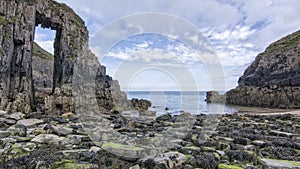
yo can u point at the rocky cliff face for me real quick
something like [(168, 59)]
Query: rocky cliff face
[(42, 68), (273, 79), (18, 20)]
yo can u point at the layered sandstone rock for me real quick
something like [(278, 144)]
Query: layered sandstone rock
[(273, 79), (75, 69)]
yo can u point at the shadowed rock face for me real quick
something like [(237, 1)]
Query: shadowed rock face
[(273, 79), (18, 20)]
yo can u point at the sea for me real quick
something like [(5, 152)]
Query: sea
[(176, 102)]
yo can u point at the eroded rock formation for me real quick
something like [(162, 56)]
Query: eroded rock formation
[(18, 20), (273, 79), (214, 97)]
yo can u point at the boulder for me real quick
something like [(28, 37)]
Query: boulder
[(280, 164), (16, 116), (73, 139), (30, 122), (7, 121), (4, 134), (129, 152), (147, 113), (47, 139), (62, 130), (214, 97), (17, 130), (2, 113), (167, 160), (140, 104)]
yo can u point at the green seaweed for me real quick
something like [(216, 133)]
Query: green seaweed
[(68, 164), (225, 166)]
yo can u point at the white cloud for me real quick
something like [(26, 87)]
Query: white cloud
[(143, 45), (173, 54), (239, 33), (238, 30)]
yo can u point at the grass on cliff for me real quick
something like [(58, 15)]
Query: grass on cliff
[(288, 42), (41, 53)]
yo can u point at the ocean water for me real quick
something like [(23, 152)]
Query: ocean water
[(174, 102)]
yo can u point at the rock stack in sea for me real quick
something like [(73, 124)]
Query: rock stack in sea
[(273, 79)]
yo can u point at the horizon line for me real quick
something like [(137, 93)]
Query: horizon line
[(170, 90)]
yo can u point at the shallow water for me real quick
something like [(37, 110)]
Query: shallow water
[(177, 101)]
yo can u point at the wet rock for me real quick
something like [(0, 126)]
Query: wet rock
[(43, 157), (190, 149), (70, 164), (9, 140), (17, 130), (225, 166), (223, 146), (2, 113), (166, 160), (12, 153), (281, 153), (29, 146), (242, 141), (15, 116), (280, 164), (68, 115), (214, 97), (4, 134), (243, 156), (20, 139), (62, 130), (280, 133), (258, 143), (208, 149), (78, 154), (135, 167), (204, 160), (7, 121), (165, 117), (30, 122), (131, 113), (147, 113), (140, 104), (226, 139), (95, 149), (35, 115), (124, 151), (48, 139), (74, 139)]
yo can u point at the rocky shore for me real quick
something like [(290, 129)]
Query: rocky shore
[(237, 141)]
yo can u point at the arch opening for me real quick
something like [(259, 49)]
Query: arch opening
[(46, 60)]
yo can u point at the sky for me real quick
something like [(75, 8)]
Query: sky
[(180, 44)]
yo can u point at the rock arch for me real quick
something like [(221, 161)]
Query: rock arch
[(18, 20)]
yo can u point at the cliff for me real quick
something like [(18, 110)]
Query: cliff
[(273, 79), (26, 69), (42, 67)]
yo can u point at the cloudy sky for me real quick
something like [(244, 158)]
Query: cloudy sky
[(180, 44)]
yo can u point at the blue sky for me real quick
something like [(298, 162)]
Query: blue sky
[(230, 33)]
